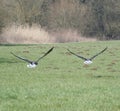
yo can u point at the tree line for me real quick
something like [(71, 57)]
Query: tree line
[(92, 18)]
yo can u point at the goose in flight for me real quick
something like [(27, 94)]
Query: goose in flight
[(32, 64), (87, 60)]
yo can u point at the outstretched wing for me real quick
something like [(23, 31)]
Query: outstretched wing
[(45, 54), (21, 58), (77, 55), (98, 53)]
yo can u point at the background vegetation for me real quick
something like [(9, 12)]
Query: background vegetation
[(90, 18)]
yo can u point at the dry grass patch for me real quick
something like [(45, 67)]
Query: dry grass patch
[(35, 34), (26, 34), (69, 35)]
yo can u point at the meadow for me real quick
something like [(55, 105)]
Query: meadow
[(61, 82)]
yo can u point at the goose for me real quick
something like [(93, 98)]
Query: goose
[(32, 64), (87, 60)]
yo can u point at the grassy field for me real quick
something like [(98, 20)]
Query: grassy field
[(61, 82)]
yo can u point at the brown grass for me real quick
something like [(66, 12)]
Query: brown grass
[(36, 34), (26, 34), (69, 35)]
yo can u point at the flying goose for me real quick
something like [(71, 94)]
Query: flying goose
[(32, 64), (88, 60)]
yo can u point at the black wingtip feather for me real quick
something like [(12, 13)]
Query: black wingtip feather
[(12, 53), (50, 50), (46, 53)]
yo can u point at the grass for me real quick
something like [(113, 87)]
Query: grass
[(61, 82)]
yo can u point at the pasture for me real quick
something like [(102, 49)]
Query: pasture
[(61, 82)]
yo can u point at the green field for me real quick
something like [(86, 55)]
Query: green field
[(61, 82)]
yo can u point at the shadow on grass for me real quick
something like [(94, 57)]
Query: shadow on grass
[(9, 61), (16, 44), (100, 76)]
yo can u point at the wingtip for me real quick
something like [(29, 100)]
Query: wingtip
[(68, 49), (106, 48), (11, 52), (52, 48)]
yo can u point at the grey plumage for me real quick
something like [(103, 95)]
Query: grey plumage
[(87, 59), (32, 62)]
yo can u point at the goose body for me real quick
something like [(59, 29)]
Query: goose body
[(87, 60), (32, 64)]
